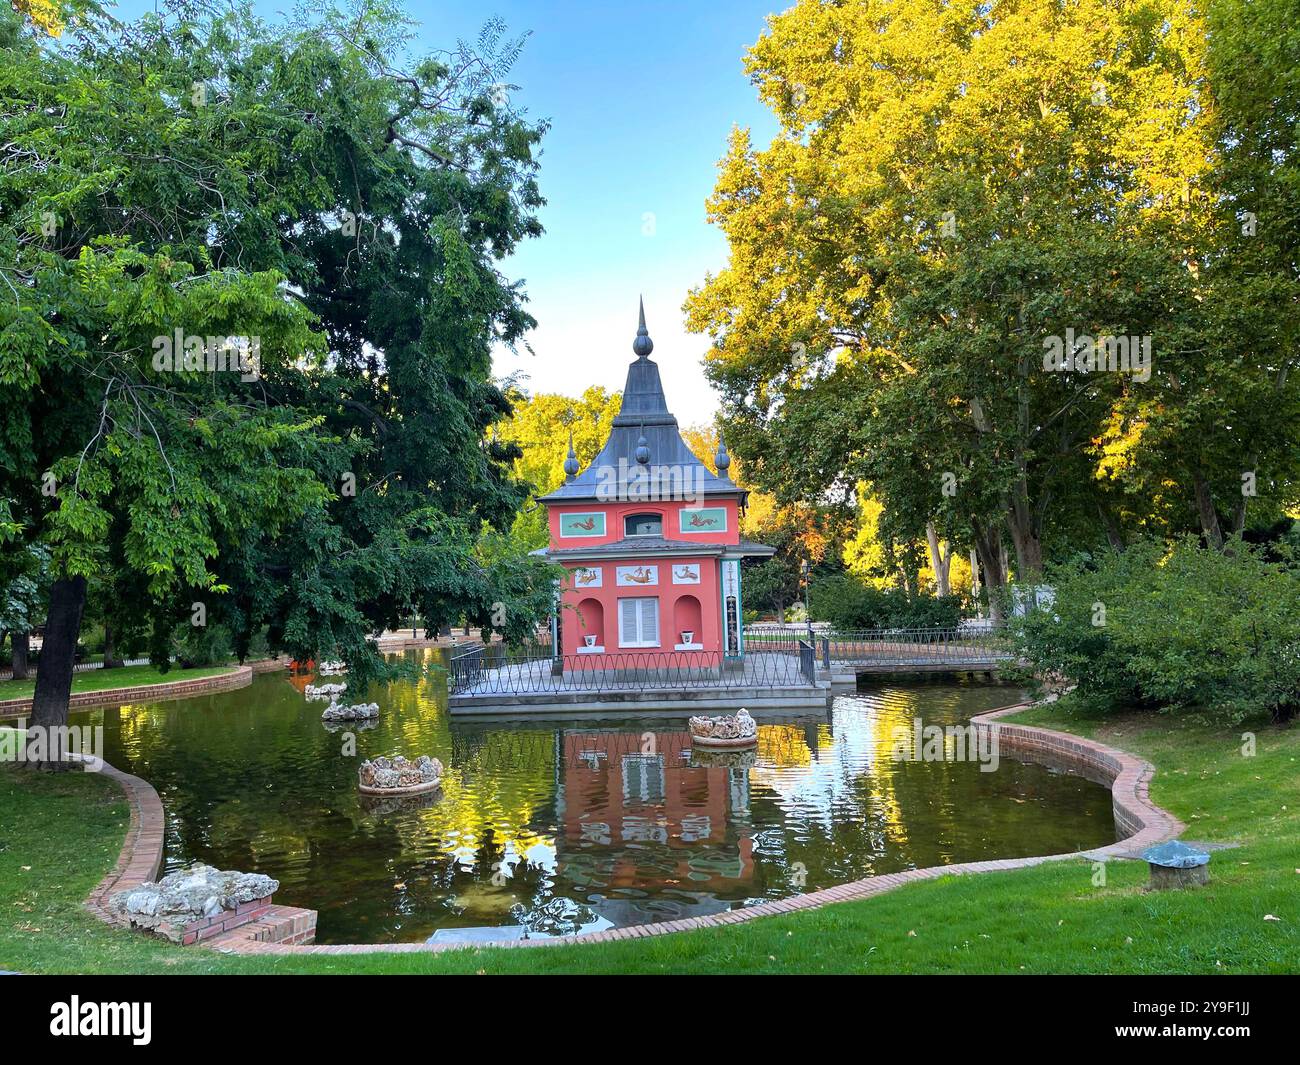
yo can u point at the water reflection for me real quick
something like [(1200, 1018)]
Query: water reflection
[(552, 827)]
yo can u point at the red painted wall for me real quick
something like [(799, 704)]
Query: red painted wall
[(673, 612), (708, 630)]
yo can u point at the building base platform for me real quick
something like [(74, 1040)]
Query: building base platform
[(676, 701)]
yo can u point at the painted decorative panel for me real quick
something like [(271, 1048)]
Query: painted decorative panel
[(590, 524), (637, 576), (588, 577), (703, 519), (686, 573)]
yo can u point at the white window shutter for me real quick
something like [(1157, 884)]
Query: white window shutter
[(627, 622), (650, 621), (638, 622)]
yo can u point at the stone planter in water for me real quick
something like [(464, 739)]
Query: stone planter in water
[(355, 712), (724, 730), (397, 776)]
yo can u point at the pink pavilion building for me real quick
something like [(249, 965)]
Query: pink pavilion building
[(650, 538)]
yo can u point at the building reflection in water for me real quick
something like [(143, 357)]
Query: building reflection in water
[(638, 817)]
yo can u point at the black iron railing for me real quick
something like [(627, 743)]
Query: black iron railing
[(807, 662), (466, 667), (895, 647), (508, 674), (903, 647)]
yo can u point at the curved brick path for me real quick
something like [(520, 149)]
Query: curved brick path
[(1142, 822)]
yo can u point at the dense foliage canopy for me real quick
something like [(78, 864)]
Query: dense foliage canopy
[(337, 211)]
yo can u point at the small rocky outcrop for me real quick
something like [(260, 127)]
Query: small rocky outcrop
[(356, 712), (179, 899), (315, 692), (331, 669), (725, 730), (396, 776)]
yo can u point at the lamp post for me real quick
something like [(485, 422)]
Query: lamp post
[(807, 611)]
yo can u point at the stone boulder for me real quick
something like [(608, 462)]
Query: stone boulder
[(181, 898)]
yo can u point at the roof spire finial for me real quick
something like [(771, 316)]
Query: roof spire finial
[(722, 460), (642, 345), (570, 460)]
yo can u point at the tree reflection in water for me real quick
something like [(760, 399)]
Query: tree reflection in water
[(554, 827)]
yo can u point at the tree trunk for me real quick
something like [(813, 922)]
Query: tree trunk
[(992, 556), (1210, 527), (111, 661), (1024, 538), (58, 656), (974, 572), (1113, 534), (940, 563), (22, 641)]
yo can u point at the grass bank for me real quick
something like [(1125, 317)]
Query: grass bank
[(58, 835), (94, 680)]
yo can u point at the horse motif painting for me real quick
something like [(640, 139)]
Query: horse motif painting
[(638, 575)]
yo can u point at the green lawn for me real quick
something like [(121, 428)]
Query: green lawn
[(59, 834), (94, 680)]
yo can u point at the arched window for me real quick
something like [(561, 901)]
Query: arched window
[(643, 525)]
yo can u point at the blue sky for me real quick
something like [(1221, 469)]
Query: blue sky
[(642, 98)]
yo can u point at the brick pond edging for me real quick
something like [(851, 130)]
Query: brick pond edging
[(141, 860), (142, 850), (288, 930), (237, 677)]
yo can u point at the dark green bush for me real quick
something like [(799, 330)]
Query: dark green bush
[(205, 645), (1188, 629), (848, 603)]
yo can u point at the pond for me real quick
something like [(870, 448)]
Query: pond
[(561, 826)]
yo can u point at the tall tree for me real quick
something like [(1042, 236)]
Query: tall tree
[(338, 210), (930, 221)]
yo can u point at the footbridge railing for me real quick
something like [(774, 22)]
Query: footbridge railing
[(897, 648)]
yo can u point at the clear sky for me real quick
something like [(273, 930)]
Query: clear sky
[(642, 97)]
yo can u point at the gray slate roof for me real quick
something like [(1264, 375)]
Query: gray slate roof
[(644, 413)]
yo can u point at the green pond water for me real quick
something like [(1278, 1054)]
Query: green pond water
[(566, 825)]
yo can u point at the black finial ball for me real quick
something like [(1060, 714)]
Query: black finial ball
[(643, 345), (642, 453)]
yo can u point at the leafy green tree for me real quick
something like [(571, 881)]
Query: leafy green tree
[(926, 225), (1224, 417), (24, 585), (540, 428), (306, 190)]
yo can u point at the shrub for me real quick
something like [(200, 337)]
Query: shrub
[(848, 603), (205, 645), (1187, 628)]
